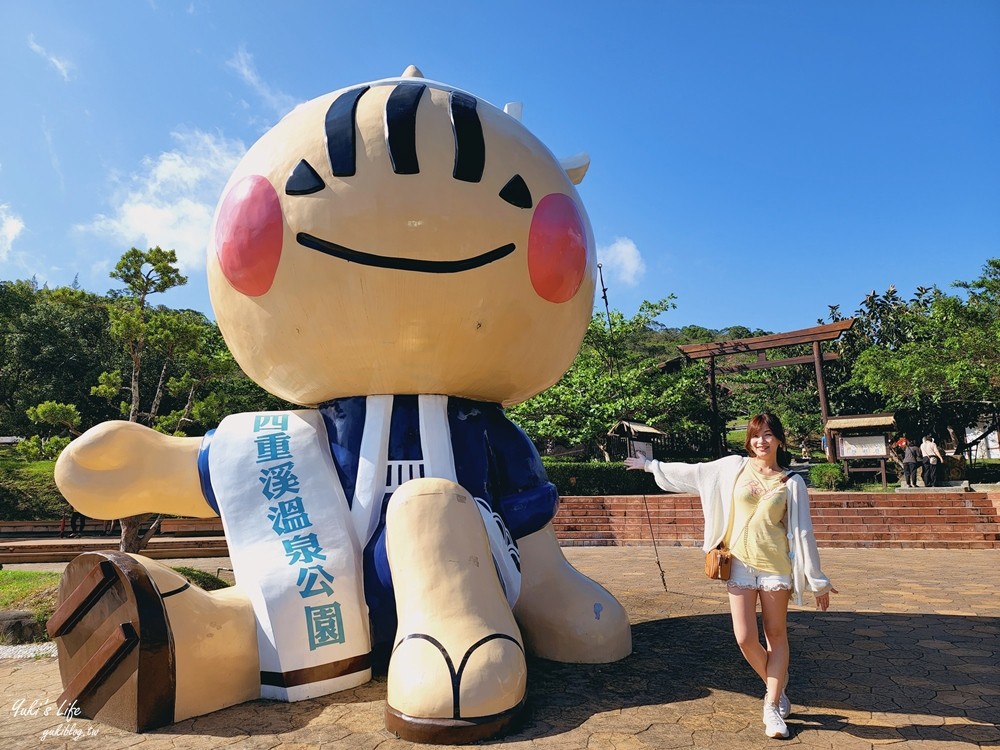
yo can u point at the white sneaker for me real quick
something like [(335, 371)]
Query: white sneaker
[(784, 706), (774, 725)]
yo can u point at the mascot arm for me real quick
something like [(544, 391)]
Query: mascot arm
[(120, 469)]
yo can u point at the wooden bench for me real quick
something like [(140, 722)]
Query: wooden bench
[(188, 526), (52, 528), (32, 528)]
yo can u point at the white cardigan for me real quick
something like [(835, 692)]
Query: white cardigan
[(715, 482)]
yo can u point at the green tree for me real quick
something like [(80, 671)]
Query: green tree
[(207, 385), (615, 377), (54, 342), (144, 273), (941, 369), (173, 335), (135, 325), (63, 417)]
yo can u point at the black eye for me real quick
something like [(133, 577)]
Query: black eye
[(303, 180), (516, 193)]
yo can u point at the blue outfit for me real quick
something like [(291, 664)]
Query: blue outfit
[(493, 459)]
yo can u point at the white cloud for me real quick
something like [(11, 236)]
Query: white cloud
[(62, 66), (278, 102), (170, 202), (622, 261), (11, 225), (53, 156)]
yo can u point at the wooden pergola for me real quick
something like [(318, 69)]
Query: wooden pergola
[(761, 344)]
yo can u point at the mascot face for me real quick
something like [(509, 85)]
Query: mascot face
[(401, 237)]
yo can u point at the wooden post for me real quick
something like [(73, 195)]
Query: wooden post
[(761, 344), (716, 433), (824, 408)]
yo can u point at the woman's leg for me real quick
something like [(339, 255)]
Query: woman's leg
[(743, 607), (774, 611)]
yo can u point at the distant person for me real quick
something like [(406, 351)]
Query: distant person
[(760, 511), (932, 459), (911, 457), (77, 523)]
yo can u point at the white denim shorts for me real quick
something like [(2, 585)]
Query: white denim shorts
[(743, 576)]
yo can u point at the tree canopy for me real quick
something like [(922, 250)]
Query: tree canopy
[(932, 359)]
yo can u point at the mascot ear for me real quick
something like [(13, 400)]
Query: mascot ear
[(576, 166), (514, 109)]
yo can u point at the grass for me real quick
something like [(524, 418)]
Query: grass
[(37, 591), (28, 491)]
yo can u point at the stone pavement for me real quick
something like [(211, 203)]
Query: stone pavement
[(908, 656)]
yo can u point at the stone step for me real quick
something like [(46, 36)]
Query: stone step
[(895, 544), (927, 519), (969, 519)]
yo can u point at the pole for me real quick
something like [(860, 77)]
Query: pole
[(716, 419), (823, 406), (628, 440), (616, 372)]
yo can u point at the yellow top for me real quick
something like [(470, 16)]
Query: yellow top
[(758, 509)]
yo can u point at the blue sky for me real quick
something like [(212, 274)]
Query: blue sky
[(759, 160)]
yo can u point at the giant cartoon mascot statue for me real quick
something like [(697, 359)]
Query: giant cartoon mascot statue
[(402, 259)]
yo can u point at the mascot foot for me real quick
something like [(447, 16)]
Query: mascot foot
[(116, 656), (564, 615), (139, 647), (457, 672)]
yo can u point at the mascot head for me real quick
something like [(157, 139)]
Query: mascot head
[(402, 236)]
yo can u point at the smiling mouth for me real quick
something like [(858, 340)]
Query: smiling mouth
[(403, 264)]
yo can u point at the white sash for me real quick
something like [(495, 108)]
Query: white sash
[(309, 626), (294, 551)]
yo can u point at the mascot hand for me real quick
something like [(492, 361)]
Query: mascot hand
[(119, 469)]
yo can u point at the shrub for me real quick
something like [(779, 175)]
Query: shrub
[(598, 478), (826, 476), (35, 448), (54, 446), (30, 449)]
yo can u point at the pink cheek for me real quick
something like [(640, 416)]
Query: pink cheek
[(557, 248), (248, 236)]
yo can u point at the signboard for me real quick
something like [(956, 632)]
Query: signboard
[(862, 446), (639, 449)]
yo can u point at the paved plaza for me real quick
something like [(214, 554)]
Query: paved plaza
[(907, 656)]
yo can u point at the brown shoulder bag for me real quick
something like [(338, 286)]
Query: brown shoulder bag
[(718, 563)]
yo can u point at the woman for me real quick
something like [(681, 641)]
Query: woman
[(761, 513), (911, 457)]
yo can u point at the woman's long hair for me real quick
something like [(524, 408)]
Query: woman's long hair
[(757, 425)]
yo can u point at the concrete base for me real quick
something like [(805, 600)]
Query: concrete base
[(962, 486)]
